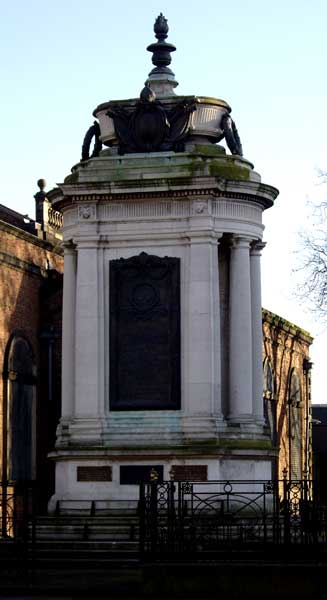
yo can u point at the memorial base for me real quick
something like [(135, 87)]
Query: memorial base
[(104, 477)]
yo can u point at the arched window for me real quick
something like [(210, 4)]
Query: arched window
[(269, 403), (19, 375), (295, 425)]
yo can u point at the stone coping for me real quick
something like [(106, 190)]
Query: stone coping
[(286, 326)]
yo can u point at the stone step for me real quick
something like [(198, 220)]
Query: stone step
[(82, 545), (95, 507), (81, 528), (64, 551), (90, 552), (83, 535), (76, 519)]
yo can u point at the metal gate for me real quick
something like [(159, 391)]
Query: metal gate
[(189, 518)]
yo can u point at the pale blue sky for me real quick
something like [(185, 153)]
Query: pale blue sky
[(60, 59)]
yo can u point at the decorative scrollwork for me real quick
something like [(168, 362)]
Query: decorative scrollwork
[(92, 132), (187, 487), (270, 487), (195, 517)]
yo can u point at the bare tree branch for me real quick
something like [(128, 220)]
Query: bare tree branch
[(312, 290)]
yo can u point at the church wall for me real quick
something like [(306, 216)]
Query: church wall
[(28, 266), (286, 346)]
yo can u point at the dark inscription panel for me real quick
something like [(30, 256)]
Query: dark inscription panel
[(144, 333), (136, 474), (94, 474), (190, 472)]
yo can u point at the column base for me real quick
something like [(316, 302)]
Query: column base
[(134, 428), (247, 425), (86, 430), (241, 417)]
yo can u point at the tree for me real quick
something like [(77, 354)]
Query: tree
[(313, 262)]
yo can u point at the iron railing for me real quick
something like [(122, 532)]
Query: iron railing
[(208, 517), (17, 511)]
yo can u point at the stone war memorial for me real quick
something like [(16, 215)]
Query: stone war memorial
[(162, 324), (153, 415)]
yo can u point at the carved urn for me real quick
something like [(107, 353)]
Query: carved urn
[(160, 120), (205, 124)]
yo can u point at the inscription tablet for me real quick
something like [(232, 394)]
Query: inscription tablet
[(145, 333)]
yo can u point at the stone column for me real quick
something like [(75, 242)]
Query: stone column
[(240, 324), (203, 354), (255, 254), (89, 402), (68, 331)]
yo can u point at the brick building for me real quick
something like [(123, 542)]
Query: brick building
[(30, 352), (31, 267), (287, 394)]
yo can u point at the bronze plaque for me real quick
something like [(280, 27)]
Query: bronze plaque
[(144, 333), (94, 474), (190, 472)]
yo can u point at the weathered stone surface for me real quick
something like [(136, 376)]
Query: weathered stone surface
[(187, 207)]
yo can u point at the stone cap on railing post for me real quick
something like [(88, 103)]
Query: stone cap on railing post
[(48, 220), (41, 203)]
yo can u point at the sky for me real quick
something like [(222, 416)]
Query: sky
[(61, 58)]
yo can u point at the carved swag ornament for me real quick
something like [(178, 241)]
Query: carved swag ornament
[(151, 127)]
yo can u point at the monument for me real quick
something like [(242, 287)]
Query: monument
[(162, 350)]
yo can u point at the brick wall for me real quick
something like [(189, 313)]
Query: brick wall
[(30, 301), (287, 348)]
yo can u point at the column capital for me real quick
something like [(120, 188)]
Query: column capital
[(204, 236), (88, 241), (241, 241), (68, 246), (256, 247)]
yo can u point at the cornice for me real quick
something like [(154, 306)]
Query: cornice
[(286, 326), (87, 197), (21, 265)]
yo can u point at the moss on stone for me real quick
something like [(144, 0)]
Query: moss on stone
[(246, 444), (236, 444), (228, 171), (203, 447), (208, 150), (284, 324), (196, 165), (206, 165), (72, 178)]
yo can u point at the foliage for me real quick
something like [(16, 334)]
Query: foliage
[(313, 259)]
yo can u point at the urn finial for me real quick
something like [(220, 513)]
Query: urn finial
[(160, 27), (41, 183), (161, 78)]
